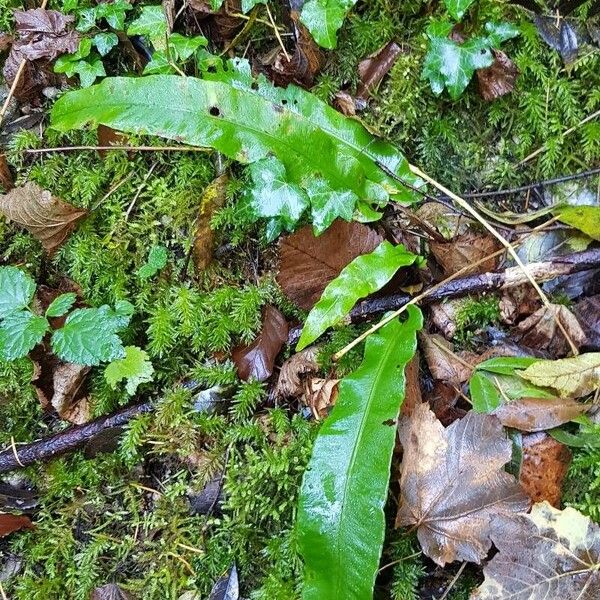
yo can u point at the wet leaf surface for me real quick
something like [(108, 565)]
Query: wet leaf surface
[(498, 79), (375, 67), (453, 483), (587, 312), (110, 591), (257, 360), (465, 250), (47, 218), (441, 360), (11, 523)]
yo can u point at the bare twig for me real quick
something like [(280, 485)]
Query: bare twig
[(453, 582), (128, 148), (277, 34)]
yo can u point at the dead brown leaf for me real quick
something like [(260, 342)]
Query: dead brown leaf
[(10, 523), (539, 414), (545, 464), (110, 591), (257, 360), (345, 103), (375, 67), (465, 250), (443, 363), (213, 198), (47, 218), (412, 395), (308, 263), (444, 219), (498, 79), (541, 332), (517, 302), (443, 399), (443, 315), (319, 395), (6, 178), (546, 555), (5, 41), (587, 312), (290, 382), (42, 35), (107, 136), (453, 483)]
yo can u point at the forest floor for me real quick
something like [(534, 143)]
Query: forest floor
[(167, 258)]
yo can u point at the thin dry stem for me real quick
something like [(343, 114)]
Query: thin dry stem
[(128, 148)]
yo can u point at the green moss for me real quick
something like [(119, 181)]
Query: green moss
[(475, 315), (581, 488)]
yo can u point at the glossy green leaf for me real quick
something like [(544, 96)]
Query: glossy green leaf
[(323, 18), (113, 12), (61, 305), (105, 42), (20, 332), (450, 65), (89, 336), (485, 396), (457, 8), (584, 218), (157, 260), (363, 276), (135, 367), (152, 24), (183, 47), (16, 290), (250, 120), (506, 365), (248, 5), (340, 521)]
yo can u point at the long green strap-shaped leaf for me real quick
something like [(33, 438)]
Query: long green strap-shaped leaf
[(341, 523), (363, 276)]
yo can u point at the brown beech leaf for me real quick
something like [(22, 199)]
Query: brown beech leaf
[(320, 395), (10, 523), (453, 483), (375, 67), (517, 302), (449, 223), (107, 136), (547, 555), (541, 332), (465, 250), (345, 103), (212, 200), (587, 312), (257, 360), (110, 591), (412, 394), (498, 79), (290, 382), (443, 315), (6, 178), (47, 218), (442, 362), (539, 414), (544, 466), (308, 263)]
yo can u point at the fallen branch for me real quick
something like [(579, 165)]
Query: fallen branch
[(473, 284), (72, 438), (77, 437)]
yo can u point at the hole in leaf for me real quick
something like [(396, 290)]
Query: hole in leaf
[(284, 102), (214, 111), (254, 85)]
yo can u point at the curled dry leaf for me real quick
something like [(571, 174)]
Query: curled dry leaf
[(290, 382), (570, 377), (10, 523), (464, 250), (453, 483), (257, 360), (539, 414), (547, 554), (212, 200), (308, 263), (587, 312), (544, 466), (540, 331), (320, 395), (47, 218), (498, 79), (443, 363), (375, 67)]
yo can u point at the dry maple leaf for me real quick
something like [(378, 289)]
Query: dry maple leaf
[(539, 414), (465, 250), (47, 218), (546, 555), (544, 466), (453, 483), (308, 263), (541, 332), (499, 78), (256, 361)]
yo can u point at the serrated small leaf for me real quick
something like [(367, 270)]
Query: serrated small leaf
[(61, 305), (323, 18), (89, 336), (135, 367), (105, 42), (457, 8), (363, 276), (184, 46), (16, 290), (157, 260), (20, 332), (152, 24), (340, 522)]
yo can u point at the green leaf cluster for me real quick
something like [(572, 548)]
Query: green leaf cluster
[(323, 18), (361, 277), (341, 522), (450, 65), (157, 260), (315, 158), (113, 13), (85, 63)]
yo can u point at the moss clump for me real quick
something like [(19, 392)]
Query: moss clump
[(475, 315)]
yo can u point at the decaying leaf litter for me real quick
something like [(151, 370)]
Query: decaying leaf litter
[(317, 285)]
